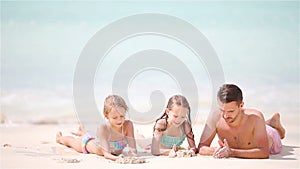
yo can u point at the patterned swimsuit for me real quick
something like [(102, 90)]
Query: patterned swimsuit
[(114, 146)]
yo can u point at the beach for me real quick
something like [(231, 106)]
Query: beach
[(34, 146), (61, 59)]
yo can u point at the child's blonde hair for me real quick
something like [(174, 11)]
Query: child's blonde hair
[(113, 101)]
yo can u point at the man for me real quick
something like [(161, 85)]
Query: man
[(242, 132)]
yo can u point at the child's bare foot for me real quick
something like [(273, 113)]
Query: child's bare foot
[(274, 122), (58, 137), (80, 131)]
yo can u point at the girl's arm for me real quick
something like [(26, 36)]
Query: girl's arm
[(102, 134), (157, 135), (190, 136), (129, 132), (109, 156)]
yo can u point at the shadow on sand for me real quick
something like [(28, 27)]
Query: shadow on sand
[(287, 153)]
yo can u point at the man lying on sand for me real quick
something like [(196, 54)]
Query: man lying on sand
[(242, 132)]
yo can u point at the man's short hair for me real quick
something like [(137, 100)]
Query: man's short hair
[(230, 92)]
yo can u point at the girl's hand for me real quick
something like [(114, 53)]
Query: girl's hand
[(132, 152), (192, 151)]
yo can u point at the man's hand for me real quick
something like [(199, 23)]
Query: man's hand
[(223, 151)]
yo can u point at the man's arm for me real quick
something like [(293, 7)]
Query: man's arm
[(207, 137), (261, 140), (209, 133)]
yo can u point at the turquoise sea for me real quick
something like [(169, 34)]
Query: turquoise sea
[(257, 44)]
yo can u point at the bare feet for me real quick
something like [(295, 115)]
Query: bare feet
[(80, 131), (58, 137), (274, 122)]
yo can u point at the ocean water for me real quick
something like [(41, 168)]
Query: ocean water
[(257, 45)]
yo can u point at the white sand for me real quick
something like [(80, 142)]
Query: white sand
[(34, 146)]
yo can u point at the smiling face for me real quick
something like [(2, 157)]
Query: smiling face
[(116, 117), (230, 111), (177, 115)]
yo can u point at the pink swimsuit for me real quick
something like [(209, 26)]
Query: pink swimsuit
[(277, 145)]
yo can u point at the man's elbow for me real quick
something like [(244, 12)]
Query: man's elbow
[(202, 149), (205, 151), (265, 154)]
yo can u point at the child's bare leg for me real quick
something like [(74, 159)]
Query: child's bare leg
[(69, 141), (274, 122), (80, 131), (92, 148)]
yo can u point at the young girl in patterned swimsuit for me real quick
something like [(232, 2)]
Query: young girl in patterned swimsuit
[(173, 127), (111, 138)]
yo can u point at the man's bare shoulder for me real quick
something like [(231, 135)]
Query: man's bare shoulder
[(213, 118), (254, 113)]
